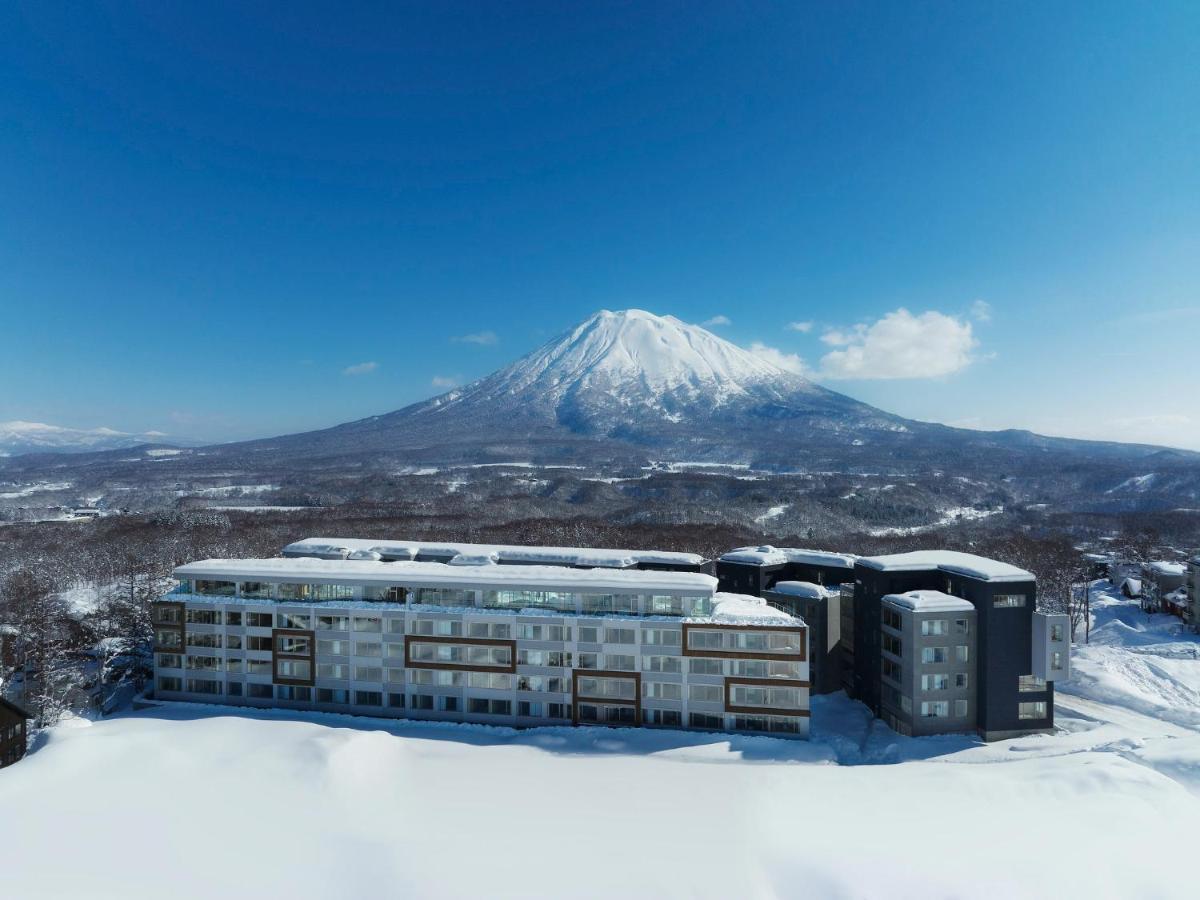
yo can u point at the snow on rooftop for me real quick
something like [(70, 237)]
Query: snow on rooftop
[(740, 609), (929, 601), (600, 557), (802, 589), (1162, 567), (766, 555), (436, 574), (950, 561)]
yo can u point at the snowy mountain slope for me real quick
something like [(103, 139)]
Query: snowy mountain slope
[(37, 437)]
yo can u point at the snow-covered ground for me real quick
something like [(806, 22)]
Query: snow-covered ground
[(204, 802)]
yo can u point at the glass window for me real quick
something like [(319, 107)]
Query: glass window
[(395, 625), (334, 623), (1056, 661), (368, 698), (368, 624), (333, 648), (589, 634), (620, 662), (934, 626), (216, 588), (258, 620), (960, 680), (169, 661), (960, 709), (396, 701), (1057, 634), (962, 626), (710, 666), (892, 644), (255, 642), (165, 615), (662, 637), (662, 690), (935, 682), (933, 655), (421, 701), (663, 663), (443, 597), (962, 653), (169, 683), (333, 695), (288, 643), (259, 691), (203, 617), (204, 686), (203, 640), (293, 620), (256, 590), (368, 648), (300, 669), (705, 693), (368, 673), (1008, 601), (333, 670), (234, 689), (659, 605), (935, 709), (1035, 710), (705, 720), (233, 642)]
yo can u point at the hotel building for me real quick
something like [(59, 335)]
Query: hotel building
[(379, 628)]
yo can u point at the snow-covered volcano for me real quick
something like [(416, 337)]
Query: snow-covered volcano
[(632, 373), (630, 384), (646, 357)]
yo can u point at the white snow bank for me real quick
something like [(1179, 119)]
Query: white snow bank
[(318, 806)]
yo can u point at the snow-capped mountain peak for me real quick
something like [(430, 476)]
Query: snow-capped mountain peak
[(644, 357)]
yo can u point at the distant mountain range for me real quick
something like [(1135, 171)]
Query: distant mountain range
[(37, 437), (630, 391)]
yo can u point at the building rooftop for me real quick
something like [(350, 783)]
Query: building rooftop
[(739, 609), (371, 548), (766, 555), (1162, 567), (929, 601), (802, 589), (436, 574), (949, 561)]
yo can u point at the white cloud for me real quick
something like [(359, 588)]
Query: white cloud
[(802, 327), (789, 362), (363, 368), (900, 345), (483, 338), (445, 381), (717, 320), (982, 311), (838, 338)]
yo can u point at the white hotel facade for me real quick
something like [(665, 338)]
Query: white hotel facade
[(475, 640)]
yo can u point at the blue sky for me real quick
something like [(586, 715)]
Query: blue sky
[(211, 213)]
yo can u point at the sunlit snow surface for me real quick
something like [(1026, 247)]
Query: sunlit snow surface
[(202, 802)]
